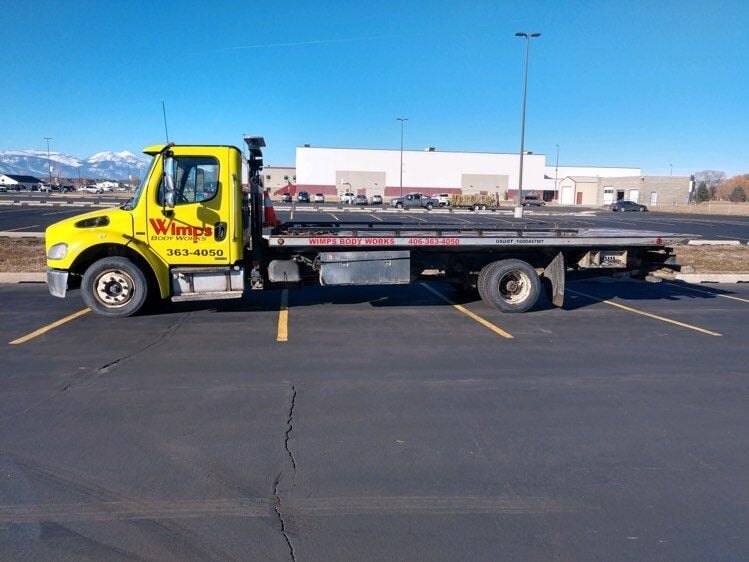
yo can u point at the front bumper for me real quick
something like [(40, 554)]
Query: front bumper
[(57, 282)]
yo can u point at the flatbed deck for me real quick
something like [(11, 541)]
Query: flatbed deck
[(403, 235)]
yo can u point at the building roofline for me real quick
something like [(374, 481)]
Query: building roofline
[(436, 151)]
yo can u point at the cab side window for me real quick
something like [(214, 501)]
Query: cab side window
[(196, 180)]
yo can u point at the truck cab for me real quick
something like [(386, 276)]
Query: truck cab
[(183, 235)]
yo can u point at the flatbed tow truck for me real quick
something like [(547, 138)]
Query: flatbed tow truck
[(199, 228)]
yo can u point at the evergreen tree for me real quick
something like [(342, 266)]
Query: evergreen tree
[(738, 195), (703, 193)]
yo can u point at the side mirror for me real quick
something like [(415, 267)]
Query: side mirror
[(169, 182)]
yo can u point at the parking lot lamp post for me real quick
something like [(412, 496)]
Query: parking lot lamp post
[(402, 120), (49, 165), (528, 37), (672, 170), (556, 172)]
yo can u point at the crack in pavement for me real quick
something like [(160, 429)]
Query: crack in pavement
[(106, 368), (277, 504)]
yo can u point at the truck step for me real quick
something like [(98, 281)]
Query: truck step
[(217, 295)]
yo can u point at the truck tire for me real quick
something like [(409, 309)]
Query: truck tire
[(476, 207), (114, 287), (481, 281), (511, 285), (429, 206)]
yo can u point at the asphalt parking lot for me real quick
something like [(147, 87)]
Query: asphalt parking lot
[(404, 423)]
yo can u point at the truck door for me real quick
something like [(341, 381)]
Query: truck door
[(196, 230)]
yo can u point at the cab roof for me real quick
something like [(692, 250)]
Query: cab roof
[(156, 148)]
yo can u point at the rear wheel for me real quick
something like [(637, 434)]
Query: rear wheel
[(114, 287), (510, 285)]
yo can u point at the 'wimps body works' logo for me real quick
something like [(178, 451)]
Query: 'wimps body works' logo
[(168, 230)]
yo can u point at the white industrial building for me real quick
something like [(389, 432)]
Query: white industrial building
[(333, 171)]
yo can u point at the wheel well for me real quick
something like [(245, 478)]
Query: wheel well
[(95, 253)]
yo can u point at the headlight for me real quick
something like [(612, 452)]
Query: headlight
[(58, 251)]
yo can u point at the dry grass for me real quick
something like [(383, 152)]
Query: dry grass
[(27, 254), (21, 255), (714, 259)]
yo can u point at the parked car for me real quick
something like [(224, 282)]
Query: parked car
[(531, 200), (286, 198), (627, 206), (414, 201), (302, 197), (348, 198), (319, 198), (443, 199), (89, 189), (361, 200), (376, 199), (3, 189)]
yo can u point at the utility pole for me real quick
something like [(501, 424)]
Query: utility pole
[(528, 37), (402, 120), (49, 164)]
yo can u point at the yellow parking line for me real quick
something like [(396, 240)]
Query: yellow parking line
[(476, 317), (283, 317), (708, 292), (648, 314), (49, 327)]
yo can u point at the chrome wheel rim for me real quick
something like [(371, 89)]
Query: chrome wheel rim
[(514, 286), (114, 288)]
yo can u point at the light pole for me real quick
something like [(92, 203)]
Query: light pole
[(49, 165), (672, 170), (556, 172), (402, 120), (528, 37)]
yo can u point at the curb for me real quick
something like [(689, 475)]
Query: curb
[(713, 277), (714, 243), (16, 234), (24, 277)]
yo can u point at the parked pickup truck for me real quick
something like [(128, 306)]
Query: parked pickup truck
[(414, 200)]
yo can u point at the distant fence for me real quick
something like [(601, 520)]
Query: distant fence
[(706, 208)]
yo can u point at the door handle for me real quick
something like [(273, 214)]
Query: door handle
[(219, 231)]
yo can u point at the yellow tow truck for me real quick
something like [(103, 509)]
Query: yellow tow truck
[(195, 229)]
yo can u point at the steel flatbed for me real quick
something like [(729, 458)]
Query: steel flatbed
[(403, 235)]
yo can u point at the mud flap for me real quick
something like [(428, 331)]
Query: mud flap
[(553, 278)]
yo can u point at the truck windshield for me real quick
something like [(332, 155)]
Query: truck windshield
[(132, 203)]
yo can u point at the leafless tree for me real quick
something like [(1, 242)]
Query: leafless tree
[(711, 178)]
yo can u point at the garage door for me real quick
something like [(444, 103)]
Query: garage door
[(566, 196)]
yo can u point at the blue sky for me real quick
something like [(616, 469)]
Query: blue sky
[(613, 83)]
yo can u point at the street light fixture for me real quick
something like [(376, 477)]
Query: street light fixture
[(49, 164), (528, 37), (402, 120)]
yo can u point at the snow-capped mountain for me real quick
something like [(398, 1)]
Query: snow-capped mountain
[(105, 165), (115, 165)]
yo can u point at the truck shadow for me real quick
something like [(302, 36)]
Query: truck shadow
[(579, 294)]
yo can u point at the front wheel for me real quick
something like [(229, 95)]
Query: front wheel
[(429, 206), (510, 285), (114, 287), (399, 205)]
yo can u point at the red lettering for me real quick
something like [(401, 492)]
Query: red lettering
[(160, 226)]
